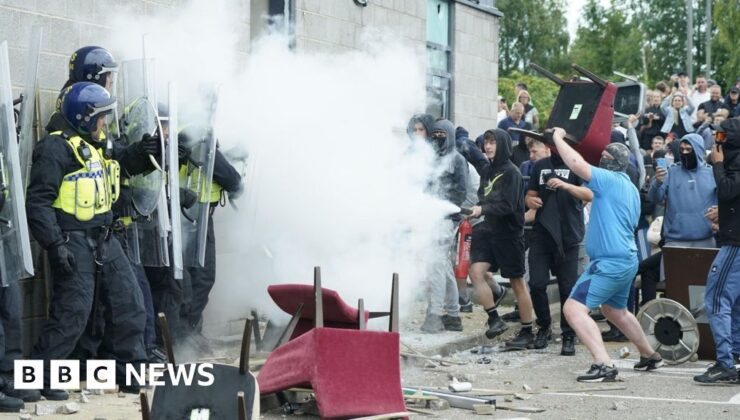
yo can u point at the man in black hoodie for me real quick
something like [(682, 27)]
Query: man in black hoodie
[(722, 295), (443, 312), (499, 243)]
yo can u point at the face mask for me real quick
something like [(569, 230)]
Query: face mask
[(688, 160), (609, 164)]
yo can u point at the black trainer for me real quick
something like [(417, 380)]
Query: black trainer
[(496, 327), (512, 316), (599, 373), (9, 404), (717, 374), (543, 337), (466, 305), (524, 340), (499, 295), (433, 324), (569, 346), (55, 394), (452, 323), (649, 363), (614, 335)]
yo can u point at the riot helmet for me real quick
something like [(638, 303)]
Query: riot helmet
[(83, 103), (92, 64)]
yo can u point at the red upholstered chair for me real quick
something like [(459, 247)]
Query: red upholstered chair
[(337, 313), (585, 110), (353, 372)]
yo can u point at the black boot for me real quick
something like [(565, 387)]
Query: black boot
[(544, 334), (9, 404), (569, 346), (55, 394), (452, 323), (613, 335), (496, 327), (8, 388), (524, 340)]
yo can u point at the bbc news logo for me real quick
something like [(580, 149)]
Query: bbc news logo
[(101, 374)]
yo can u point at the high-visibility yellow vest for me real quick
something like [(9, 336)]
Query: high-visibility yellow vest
[(196, 176), (92, 189)]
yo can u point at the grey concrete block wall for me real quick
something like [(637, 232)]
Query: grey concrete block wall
[(476, 69)]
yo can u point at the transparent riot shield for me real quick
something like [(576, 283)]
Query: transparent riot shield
[(26, 141), (196, 177), (173, 182), (15, 246), (140, 117)]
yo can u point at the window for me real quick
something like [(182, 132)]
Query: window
[(271, 15), (439, 52)]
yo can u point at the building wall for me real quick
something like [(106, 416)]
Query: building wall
[(475, 69)]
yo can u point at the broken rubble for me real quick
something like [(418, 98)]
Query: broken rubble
[(69, 408)]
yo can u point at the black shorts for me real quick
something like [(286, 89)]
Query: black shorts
[(505, 254)]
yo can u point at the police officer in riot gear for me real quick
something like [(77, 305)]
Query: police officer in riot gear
[(198, 281), (73, 184)]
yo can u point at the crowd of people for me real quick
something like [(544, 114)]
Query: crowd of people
[(534, 209), (81, 211)]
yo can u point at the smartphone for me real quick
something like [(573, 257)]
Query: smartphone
[(660, 163)]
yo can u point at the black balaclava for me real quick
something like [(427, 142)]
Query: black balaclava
[(688, 160), (621, 155)]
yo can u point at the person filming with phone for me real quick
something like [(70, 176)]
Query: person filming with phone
[(687, 190)]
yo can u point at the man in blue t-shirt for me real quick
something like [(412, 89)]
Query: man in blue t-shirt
[(610, 245)]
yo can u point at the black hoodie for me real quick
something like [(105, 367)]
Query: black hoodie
[(727, 177), (501, 191)]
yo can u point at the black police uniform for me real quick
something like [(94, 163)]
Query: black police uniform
[(73, 294)]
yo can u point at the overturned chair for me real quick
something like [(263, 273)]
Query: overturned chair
[(585, 110), (353, 372), (234, 393)]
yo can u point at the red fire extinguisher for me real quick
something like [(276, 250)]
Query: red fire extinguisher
[(462, 260)]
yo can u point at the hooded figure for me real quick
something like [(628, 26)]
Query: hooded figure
[(727, 175), (501, 192), (425, 119), (453, 179), (688, 190)]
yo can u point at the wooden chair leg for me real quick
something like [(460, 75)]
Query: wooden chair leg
[(246, 343), (393, 323), (318, 299), (166, 337)]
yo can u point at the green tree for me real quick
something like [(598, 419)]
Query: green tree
[(532, 31), (726, 42), (607, 39), (542, 90)]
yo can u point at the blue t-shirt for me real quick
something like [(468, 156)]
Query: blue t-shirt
[(614, 214)]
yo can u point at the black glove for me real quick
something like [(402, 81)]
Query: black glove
[(61, 259), (187, 198), (151, 145), (183, 154), (234, 195)]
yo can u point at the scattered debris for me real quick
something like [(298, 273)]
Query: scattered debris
[(456, 386), (84, 398), (25, 416), (616, 405), (484, 361), (519, 396), (69, 408), (44, 409), (429, 365), (482, 350), (624, 352), (507, 363), (507, 382), (526, 387), (438, 405), (521, 409), (509, 398), (121, 395), (484, 409)]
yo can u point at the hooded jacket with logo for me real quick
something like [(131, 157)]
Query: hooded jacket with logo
[(688, 193), (501, 191)]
